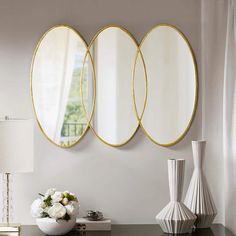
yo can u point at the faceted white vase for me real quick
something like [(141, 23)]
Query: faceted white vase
[(176, 218), (198, 198)]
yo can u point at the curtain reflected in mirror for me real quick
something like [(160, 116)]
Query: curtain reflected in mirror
[(56, 72)]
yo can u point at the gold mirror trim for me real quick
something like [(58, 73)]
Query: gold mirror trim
[(196, 88), (146, 86), (139, 117), (31, 84), (132, 87)]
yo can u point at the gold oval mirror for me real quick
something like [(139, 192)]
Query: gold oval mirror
[(114, 51), (172, 85), (55, 85)]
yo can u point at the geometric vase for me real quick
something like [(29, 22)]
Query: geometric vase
[(198, 198), (176, 218)]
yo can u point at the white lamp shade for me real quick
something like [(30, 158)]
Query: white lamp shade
[(16, 146)]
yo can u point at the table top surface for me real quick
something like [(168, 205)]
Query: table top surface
[(132, 230)]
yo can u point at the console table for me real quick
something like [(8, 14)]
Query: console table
[(132, 230)]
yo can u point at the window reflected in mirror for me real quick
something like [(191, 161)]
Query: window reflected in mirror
[(56, 72)]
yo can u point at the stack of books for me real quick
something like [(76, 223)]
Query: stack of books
[(83, 224)]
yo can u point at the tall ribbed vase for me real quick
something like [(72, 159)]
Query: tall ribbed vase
[(176, 218), (198, 198)]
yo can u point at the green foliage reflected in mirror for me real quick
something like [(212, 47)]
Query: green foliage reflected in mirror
[(55, 85)]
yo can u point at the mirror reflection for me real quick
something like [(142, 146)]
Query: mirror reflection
[(113, 51), (55, 84), (172, 85)]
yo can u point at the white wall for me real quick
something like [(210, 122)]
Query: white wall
[(129, 184)]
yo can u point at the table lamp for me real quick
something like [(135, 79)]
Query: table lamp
[(16, 156)]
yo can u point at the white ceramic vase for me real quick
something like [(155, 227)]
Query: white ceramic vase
[(198, 198), (55, 227), (176, 218)]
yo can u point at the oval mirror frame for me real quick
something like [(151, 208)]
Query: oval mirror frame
[(186, 129), (31, 85), (132, 84)]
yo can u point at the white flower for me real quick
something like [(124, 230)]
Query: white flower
[(36, 208), (46, 209), (57, 197), (65, 201), (50, 192), (43, 205), (56, 205), (57, 211), (66, 192), (72, 209)]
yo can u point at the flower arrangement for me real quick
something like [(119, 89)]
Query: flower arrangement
[(56, 205)]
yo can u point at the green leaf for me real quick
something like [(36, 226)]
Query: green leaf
[(71, 197), (48, 200)]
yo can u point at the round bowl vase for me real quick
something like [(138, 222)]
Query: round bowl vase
[(55, 227)]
